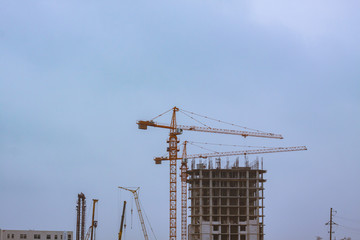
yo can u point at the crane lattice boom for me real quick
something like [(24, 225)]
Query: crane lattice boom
[(233, 153), (180, 128), (136, 197)]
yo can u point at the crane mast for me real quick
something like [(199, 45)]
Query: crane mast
[(136, 197), (183, 176), (173, 150)]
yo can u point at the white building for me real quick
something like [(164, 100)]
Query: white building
[(35, 235)]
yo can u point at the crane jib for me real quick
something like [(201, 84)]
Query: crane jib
[(234, 153), (179, 129)]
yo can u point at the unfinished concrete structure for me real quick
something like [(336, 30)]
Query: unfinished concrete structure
[(226, 202)]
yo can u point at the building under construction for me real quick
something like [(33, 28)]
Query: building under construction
[(226, 202)]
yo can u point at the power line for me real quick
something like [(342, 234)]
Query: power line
[(349, 228), (349, 219)]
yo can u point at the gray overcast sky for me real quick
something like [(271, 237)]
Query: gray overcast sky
[(76, 75)]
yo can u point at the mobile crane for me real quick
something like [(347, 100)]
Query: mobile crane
[(136, 197), (122, 222)]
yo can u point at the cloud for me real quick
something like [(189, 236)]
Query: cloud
[(309, 20)]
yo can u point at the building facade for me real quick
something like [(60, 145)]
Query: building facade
[(226, 203), (35, 235)]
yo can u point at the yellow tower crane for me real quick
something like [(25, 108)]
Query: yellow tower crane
[(184, 168), (173, 141)]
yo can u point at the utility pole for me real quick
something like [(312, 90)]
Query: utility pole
[(331, 223)]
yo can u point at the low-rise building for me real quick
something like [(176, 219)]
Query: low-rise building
[(6, 234)]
